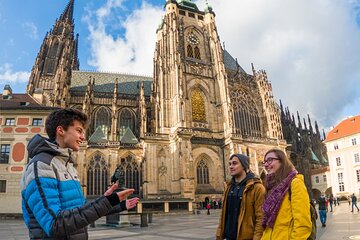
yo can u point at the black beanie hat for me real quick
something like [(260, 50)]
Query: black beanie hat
[(244, 160)]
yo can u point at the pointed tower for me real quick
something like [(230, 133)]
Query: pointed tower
[(189, 72), (190, 97), (51, 74)]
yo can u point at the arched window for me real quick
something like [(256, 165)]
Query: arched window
[(126, 120), (246, 116), (197, 53), (132, 173), (97, 175), (190, 52), (50, 69), (54, 50), (202, 173), (52, 58), (102, 120), (198, 106)]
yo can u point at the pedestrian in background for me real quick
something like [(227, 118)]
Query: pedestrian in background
[(331, 201), (241, 215), (208, 206), (287, 206), (354, 202), (322, 209)]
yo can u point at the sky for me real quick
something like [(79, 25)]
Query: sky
[(310, 49)]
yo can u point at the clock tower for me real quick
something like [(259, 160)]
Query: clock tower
[(190, 84), (190, 107)]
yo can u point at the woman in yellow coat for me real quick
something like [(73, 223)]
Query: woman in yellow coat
[(286, 207)]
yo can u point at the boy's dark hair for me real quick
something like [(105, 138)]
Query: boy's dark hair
[(65, 118)]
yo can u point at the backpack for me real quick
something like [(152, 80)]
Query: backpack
[(313, 215)]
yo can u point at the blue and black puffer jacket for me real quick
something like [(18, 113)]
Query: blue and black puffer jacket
[(53, 204)]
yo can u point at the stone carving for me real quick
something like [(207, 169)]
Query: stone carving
[(162, 169)]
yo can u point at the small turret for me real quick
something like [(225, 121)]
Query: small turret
[(310, 126), (299, 121), (67, 14)]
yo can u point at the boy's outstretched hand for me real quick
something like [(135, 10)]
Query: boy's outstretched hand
[(130, 203)]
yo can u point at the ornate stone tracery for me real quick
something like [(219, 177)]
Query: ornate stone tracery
[(198, 106), (246, 115), (97, 175), (202, 172)]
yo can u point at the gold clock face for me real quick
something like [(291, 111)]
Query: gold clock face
[(192, 39)]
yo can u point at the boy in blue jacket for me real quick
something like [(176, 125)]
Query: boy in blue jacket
[(52, 200)]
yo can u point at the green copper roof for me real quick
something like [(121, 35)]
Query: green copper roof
[(98, 136), (188, 4), (324, 159), (129, 137), (314, 157), (208, 8)]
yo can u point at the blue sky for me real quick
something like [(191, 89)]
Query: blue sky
[(310, 49)]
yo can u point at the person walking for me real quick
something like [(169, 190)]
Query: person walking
[(241, 214), (208, 206), (286, 206), (331, 201), (322, 209), (354, 202), (53, 204)]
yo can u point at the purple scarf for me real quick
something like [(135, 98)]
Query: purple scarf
[(275, 197)]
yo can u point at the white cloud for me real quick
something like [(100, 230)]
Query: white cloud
[(7, 75), (30, 30), (131, 52), (308, 48)]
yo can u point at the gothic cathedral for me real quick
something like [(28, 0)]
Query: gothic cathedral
[(171, 135)]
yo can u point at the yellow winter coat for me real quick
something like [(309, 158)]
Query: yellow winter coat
[(293, 220)]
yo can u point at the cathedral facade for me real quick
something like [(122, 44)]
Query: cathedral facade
[(171, 135)]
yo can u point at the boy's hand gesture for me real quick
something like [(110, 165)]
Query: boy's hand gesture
[(130, 203)]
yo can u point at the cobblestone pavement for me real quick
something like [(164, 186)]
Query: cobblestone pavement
[(341, 224)]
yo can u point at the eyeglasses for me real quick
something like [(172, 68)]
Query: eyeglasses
[(269, 160)]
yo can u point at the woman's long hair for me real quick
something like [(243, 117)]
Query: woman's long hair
[(285, 167)]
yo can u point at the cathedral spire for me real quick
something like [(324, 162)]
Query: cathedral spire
[(67, 14), (56, 60), (310, 126), (305, 124), (299, 121), (317, 128), (76, 62)]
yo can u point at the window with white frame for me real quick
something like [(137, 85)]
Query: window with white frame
[(10, 122), (37, 121), (324, 178), (5, 153), (341, 182), (336, 146), (357, 157), (338, 161), (353, 141), (317, 179), (358, 175)]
